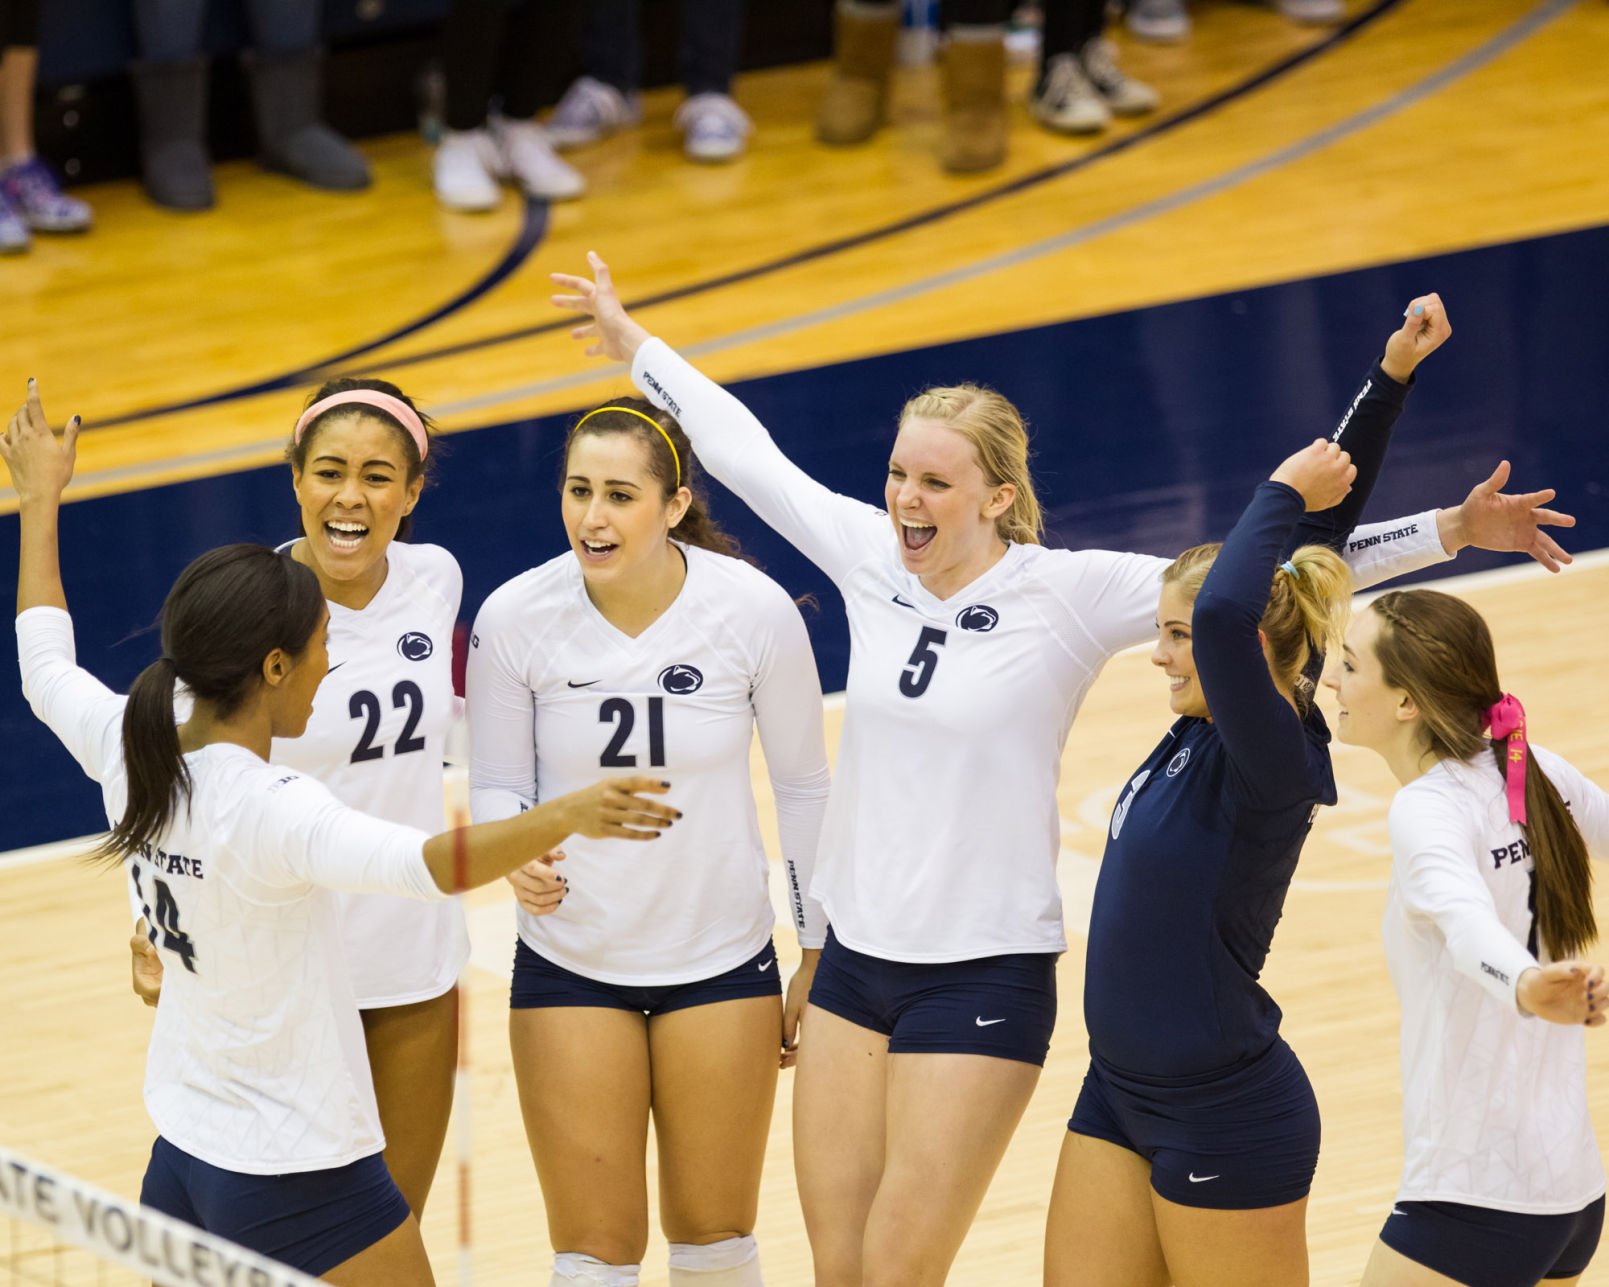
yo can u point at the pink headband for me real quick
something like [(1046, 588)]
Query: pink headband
[(1507, 720), (396, 408)]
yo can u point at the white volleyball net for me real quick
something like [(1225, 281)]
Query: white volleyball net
[(62, 1231)]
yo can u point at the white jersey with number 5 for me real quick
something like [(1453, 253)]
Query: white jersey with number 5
[(942, 830), (558, 697), (376, 739), (257, 1061), (1494, 1102)]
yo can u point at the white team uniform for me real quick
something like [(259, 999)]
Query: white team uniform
[(1494, 1102), (376, 739), (942, 828), (257, 1062), (558, 697)]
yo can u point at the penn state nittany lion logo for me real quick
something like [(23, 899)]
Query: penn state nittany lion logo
[(1177, 763), (681, 680), (979, 617), (415, 646)]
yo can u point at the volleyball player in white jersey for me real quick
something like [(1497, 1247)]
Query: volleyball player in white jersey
[(256, 1079), (972, 647), (1489, 908), (359, 457), (649, 645)]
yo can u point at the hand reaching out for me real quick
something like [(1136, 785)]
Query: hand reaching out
[(41, 467), (1489, 519), (1569, 992), (612, 331), (1424, 329)]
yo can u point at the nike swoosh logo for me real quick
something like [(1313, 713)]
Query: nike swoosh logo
[(1201, 1179), (768, 965), (588, 684), (987, 1023), (902, 603), (335, 668), (1398, 1211)]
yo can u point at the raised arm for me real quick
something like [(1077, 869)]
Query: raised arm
[(831, 530), (1259, 726), (1364, 430), (77, 707)]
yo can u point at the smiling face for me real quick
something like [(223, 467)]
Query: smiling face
[(615, 511), (1173, 651), (354, 492), (942, 506), (1373, 713)]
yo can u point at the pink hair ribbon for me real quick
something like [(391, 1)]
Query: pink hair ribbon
[(396, 408), (1507, 721)]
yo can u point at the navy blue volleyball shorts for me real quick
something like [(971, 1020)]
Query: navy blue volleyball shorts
[(1241, 1141), (1003, 1006), (309, 1220), (539, 982), (1483, 1247)]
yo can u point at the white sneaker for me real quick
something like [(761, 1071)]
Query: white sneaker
[(591, 110), (713, 127), (464, 167), (1318, 11), (1163, 21), (1123, 94), (529, 159), (1069, 102)]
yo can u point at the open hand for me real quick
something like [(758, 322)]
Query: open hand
[(1321, 472), (611, 331), (1568, 992), (41, 467), (1490, 520), (1424, 329), (617, 809)]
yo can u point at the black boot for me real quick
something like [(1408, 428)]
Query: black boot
[(290, 136), (174, 165)]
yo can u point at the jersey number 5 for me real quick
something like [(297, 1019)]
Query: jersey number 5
[(166, 919), (619, 712), (366, 707), (918, 672)]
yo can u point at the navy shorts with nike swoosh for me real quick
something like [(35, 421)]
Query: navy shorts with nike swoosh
[(1235, 1141), (540, 982), (1003, 1006), (1483, 1247)]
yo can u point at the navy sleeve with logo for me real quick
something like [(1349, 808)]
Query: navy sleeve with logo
[(1205, 838)]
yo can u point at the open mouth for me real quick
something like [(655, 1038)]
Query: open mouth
[(916, 535), (598, 549), (1177, 682), (345, 537)]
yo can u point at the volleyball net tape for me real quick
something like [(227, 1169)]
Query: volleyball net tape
[(49, 1213)]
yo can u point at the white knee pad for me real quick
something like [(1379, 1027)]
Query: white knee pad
[(733, 1262), (572, 1269)]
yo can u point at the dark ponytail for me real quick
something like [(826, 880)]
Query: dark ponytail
[(696, 526), (227, 611), (1440, 651)]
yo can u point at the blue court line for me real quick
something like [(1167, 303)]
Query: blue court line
[(1456, 70), (937, 214), (532, 229), (536, 214)]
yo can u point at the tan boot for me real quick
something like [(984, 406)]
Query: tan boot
[(856, 102), (974, 105)]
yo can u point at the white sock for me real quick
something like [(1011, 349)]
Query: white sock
[(733, 1262), (572, 1269)]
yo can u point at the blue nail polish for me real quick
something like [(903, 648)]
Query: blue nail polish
[(1418, 310)]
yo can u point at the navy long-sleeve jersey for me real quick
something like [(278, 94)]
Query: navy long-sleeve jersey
[(1206, 834)]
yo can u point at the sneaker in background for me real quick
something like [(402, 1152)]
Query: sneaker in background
[(713, 127), (31, 191), (464, 169), (1123, 94), (14, 237), (1066, 101), (1314, 11), (591, 110), (529, 159), (1162, 21)]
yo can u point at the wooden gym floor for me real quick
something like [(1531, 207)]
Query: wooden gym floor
[(188, 344)]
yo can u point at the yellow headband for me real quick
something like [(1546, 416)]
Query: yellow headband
[(659, 428)]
